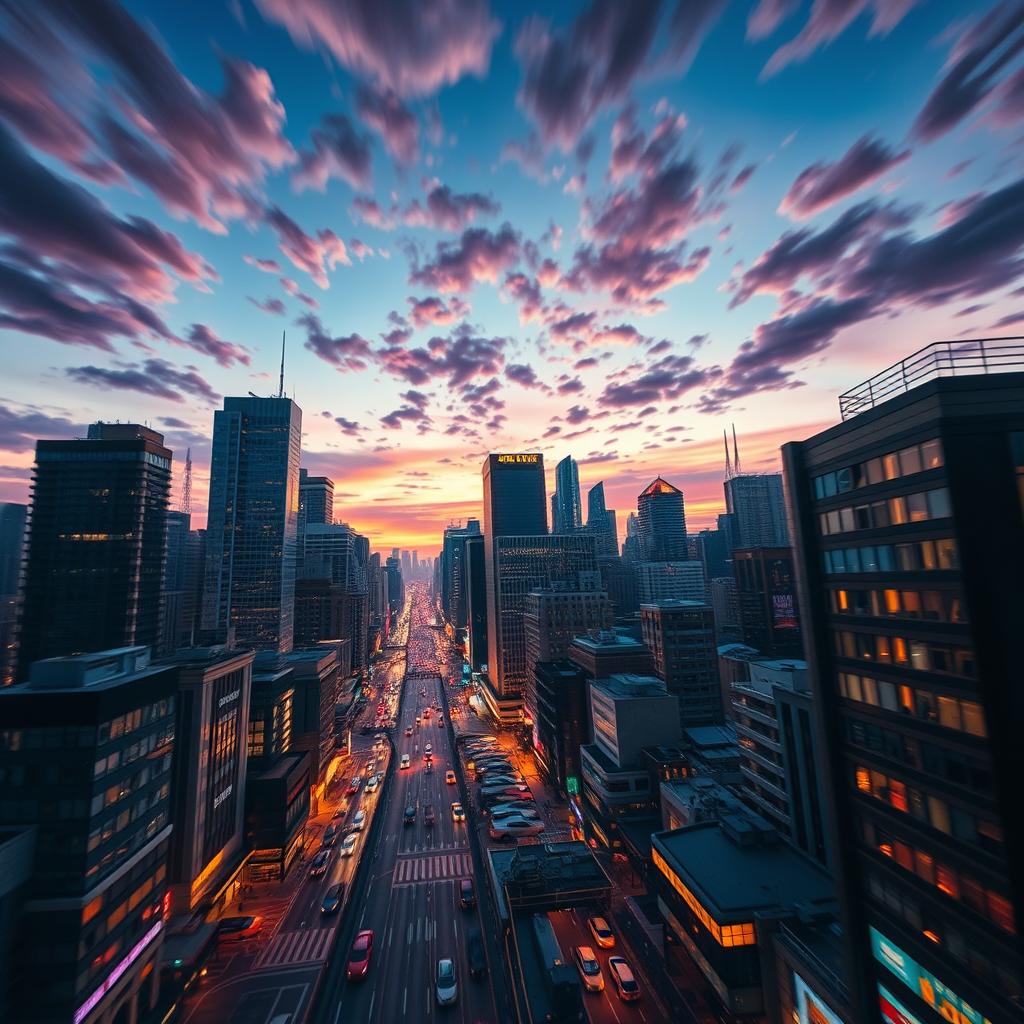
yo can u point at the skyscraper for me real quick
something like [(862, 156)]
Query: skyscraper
[(316, 498), (567, 510), (454, 584), (766, 599), (601, 522), (758, 509), (12, 542), (909, 540), (476, 601), (95, 550), (662, 522), (253, 522)]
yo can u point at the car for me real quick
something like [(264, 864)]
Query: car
[(504, 791), (449, 777), (237, 929), (475, 953), (349, 843), (428, 749), (353, 786), (359, 956), (458, 814), (623, 979), (320, 863), (428, 816), (372, 783), (408, 730), (494, 804), (589, 968), (603, 935), (404, 763), (332, 899), (409, 818), (486, 771), (429, 767), (501, 780), (512, 828), (417, 719), (440, 722), (447, 990), (467, 893), (492, 799), (500, 813), (359, 821)]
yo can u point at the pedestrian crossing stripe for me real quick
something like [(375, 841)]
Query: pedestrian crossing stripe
[(303, 946), (410, 870)]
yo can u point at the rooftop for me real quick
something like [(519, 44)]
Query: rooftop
[(95, 671), (734, 874), (659, 486), (706, 737), (628, 685), (939, 359), (673, 603), (607, 640)]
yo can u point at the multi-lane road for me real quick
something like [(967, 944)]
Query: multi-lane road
[(412, 901)]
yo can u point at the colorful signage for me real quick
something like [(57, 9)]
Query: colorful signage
[(809, 1006), (117, 973), (520, 459), (943, 1000), (893, 1012)]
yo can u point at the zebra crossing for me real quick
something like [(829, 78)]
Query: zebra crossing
[(303, 946), (410, 870)]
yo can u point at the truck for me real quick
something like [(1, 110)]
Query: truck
[(565, 993)]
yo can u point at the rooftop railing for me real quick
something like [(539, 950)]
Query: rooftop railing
[(940, 359)]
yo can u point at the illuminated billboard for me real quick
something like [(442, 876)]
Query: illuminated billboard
[(518, 460), (809, 1006)]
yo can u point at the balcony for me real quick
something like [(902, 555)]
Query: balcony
[(940, 359)]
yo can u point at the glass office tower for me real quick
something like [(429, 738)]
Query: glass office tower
[(253, 522)]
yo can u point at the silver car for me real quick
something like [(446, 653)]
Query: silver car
[(447, 988)]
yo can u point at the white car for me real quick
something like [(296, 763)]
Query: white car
[(513, 828), (404, 763), (447, 988), (372, 783), (359, 821), (348, 844)]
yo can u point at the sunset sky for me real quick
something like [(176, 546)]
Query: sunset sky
[(603, 229)]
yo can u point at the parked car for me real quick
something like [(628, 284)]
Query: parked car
[(589, 968), (319, 864), (467, 893), (353, 786), (237, 929), (428, 816), (359, 821), (447, 989), (349, 843), (332, 899), (409, 818), (475, 953), (359, 956), (458, 814), (603, 935), (623, 979), (504, 789), (331, 835), (500, 813), (372, 783), (515, 828)]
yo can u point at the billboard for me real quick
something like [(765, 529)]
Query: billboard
[(809, 1006)]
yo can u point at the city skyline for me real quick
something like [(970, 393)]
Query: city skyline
[(444, 234)]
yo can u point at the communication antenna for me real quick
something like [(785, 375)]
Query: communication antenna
[(186, 490), (280, 386), (728, 461), (735, 452)]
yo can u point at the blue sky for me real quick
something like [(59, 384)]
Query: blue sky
[(600, 229)]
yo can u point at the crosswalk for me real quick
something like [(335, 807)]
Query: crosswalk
[(410, 870), (307, 945)]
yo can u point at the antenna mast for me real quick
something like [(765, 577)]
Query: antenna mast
[(728, 462), (735, 452), (280, 386), (186, 490)]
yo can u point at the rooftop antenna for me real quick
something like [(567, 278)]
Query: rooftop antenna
[(186, 489), (280, 386), (728, 461), (735, 452)]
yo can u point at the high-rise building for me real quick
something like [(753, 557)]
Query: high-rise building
[(252, 527), (661, 522), (396, 587), (681, 638), (567, 511), (208, 790), (86, 752), (601, 522), (713, 552), (12, 544), (454, 585), (766, 599), (95, 551), (522, 564), (560, 722), (725, 603), (514, 506), (631, 548), (669, 581), (756, 503), (176, 590), (909, 540), (476, 601), (316, 498)]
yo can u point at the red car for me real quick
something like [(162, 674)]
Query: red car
[(359, 958)]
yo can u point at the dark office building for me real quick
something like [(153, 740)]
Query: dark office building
[(601, 522), (12, 544), (476, 602), (183, 583), (316, 498), (766, 600), (86, 750), (208, 792), (276, 812), (757, 508), (713, 552), (321, 612), (909, 539), (566, 507), (95, 550), (315, 674), (454, 590), (271, 708), (661, 523), (561, 721), (514, 506), (252, 531), (396, 588)]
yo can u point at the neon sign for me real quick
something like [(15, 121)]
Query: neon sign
[(529, 459), (115, 975)]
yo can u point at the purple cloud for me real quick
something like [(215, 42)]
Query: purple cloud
[(227, 353), (392, 120), (404, 45), (19, 431), (313, 255), (479, 255), (522, 374), (821, 185), (766, 17), (447, 210), (350, 352), (268, 305), (155, 377), (460, 358), (350, 427), (666, 378), (339, 151), (434, 311)]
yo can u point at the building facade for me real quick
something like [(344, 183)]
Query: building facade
[(94, 557), (766, 599), (910, 551), (601, 522), (566, 507), (252, 527), (669, 581), (757, 507), (661, 523)]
